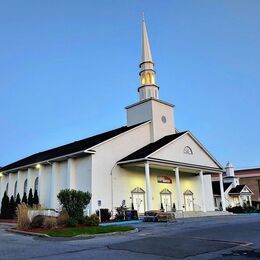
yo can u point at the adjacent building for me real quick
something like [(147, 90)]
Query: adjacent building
[(235, 192)]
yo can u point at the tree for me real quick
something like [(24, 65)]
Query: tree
[(24, 199), (30, 198), (11, 208), (35, 198), (4, 206), (18, 199), (74, 201)]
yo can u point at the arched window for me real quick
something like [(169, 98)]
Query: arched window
[(6, 188), (187, 150), (15, 189), (143, 79), (152, 79), (25, 186), (36, 184), (148, 78)]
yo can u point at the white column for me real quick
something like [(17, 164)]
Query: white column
[(148, 186), (11, 181), (178, 189), (40, 184), (71, 171), (203, 199), (1, 186), (223, 202), (53, 192)]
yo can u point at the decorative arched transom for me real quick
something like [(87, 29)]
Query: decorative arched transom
[(187, 150), (188, 192), (166, 191), (137, 190)]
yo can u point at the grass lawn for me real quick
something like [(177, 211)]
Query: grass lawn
[(71, 232)]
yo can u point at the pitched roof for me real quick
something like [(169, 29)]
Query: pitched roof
[(152, 147), (67, 149), (238, 189), (216, 187)]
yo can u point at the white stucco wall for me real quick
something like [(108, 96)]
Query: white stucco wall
[(107, 155), (152, 110)]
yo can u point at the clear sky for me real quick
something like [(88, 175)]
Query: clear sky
[(68, 69)]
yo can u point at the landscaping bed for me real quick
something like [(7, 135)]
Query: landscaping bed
[(80, 230)]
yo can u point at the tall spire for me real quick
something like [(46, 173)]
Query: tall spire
[(148, 89), (146, 51)]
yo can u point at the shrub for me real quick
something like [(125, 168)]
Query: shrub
[(23, 221), (50, 222), (18, 199), (30, 198), (63, 218), (24, 199), (35, 198), (92, 220), (105, 214), (4, 206), (120, 213), (11, 208), (72, 222), (74, 202), (37, 221)]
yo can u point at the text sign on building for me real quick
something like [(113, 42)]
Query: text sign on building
[(164, 179)]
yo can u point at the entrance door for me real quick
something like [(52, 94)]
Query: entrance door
[(138, 201), (166, 201), (188, 200)]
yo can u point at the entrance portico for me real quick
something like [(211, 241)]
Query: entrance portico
[(179, 179)]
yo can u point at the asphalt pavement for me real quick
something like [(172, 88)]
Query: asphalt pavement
[(225, 237)]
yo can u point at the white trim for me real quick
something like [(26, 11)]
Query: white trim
[(193, 137), (47, 161), (166, 145), (204, 148)]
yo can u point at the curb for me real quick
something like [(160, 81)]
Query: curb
[(111, 233), (78, 236), (27, 233)]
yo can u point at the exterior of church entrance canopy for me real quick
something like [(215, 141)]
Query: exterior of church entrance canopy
[(168, 187)]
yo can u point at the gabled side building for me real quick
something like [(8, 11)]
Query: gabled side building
[(235, 194)]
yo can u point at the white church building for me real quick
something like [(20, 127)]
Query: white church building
[(147, 163)]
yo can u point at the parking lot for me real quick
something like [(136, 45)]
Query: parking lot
[(231, 237)]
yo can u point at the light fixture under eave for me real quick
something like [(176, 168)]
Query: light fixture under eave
[(1, 174), (38, 166)]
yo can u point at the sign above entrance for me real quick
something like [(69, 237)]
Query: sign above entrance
[(164, 179)]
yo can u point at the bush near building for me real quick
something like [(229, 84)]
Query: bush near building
[(74, 201), (4, 206)]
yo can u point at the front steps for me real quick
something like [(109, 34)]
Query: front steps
[(197, 214)]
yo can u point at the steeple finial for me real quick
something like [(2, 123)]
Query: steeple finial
[(146, 51), (148, 88)]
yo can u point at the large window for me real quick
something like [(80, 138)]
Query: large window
[(25, 186), (15, 189), (36, 184), (6, 188)]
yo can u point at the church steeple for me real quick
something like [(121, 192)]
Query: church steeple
[(148, 88)]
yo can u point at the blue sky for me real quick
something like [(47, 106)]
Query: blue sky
[(68, 69)]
